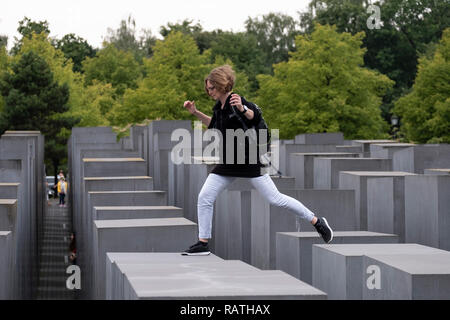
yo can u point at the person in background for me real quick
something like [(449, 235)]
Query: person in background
[(62, 190), (73, 249)]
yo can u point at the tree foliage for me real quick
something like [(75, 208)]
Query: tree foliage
[(275, 33), (324, 88), (114, 66), (125, 38), (27, 28), (425, 111), (175, 73), (75, 48), (34, 100)]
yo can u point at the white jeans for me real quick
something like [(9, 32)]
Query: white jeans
[(215, 183)]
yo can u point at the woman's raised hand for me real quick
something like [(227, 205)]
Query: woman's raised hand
[(190, 106)]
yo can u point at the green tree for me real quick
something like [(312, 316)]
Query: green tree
[(407, 27), (3, 41), (3, 69), (75, 48), (110, 65), (125, 38), (26, 28), (175, 73), (243, 50), (275, 33), (84, 100), (425, 111), (324, 88), (35, 101)]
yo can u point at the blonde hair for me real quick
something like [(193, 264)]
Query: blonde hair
[(222, 78)]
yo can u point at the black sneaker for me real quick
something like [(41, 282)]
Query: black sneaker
[(324, 229), (199, 249)]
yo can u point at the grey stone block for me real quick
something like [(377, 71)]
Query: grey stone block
[(109, 198), (159, 148), (137, 235), (114, 282), (302, 166), (112, 167), (336, 205), (420, 157), (326, 170), (6, 265), (24, 155), (294, 249), (366, 145), (439, 172), (269, 285), (212, 279), (8, 214), (320, 138), (8, 190), (427, 208), (205, 268), (285, 149), (10, 170), (409, 277), (136, 212), (136, 183), (386, 205), (232, 219), (338, 269), (387, 150), (350, 149), (358, 180)]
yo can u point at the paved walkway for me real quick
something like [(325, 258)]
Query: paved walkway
[(54, 254)]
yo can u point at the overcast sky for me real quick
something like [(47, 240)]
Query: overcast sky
[(91, 19)]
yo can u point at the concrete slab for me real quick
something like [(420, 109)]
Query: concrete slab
[(9, 190), (159, 147), (320, 138), (366, 144), (338, 269), (8, 215), (113, 167), (336, 205), (294, 249), (6, 265), (420, 157), (326, 170), (409, 277), (439, 172), (285, 149), (137, 235), (387, 150), (136, 212), (115, 279), (134, 183), (358, 181), (115, 287), (302, 166), (243, 286), (232, 219), (427, 208)]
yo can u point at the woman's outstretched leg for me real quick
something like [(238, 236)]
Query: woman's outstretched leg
[(269, 191)]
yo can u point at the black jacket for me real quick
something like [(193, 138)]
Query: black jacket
[(225, 118)]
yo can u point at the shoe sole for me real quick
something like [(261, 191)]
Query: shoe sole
[(326, 223), (196, 253)]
